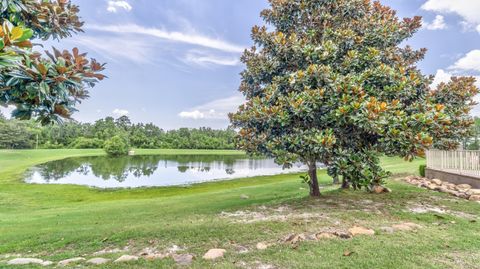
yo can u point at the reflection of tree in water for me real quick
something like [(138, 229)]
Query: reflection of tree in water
[(139, 166)]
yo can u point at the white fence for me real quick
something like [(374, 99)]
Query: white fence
[(461, 162)]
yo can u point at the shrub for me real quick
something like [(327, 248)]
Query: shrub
[(116, 146), (87, 143), (422, 170)]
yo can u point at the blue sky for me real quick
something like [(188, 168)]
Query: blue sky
[(176, 62)]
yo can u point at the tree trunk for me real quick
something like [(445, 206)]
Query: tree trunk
[(336, 181), (345, 183), (314, 186)]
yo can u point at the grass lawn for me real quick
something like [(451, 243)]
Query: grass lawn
[(55, 222)]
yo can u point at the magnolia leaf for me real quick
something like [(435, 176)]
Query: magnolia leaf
[(16, 34)]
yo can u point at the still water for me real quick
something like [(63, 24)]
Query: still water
[(152, 171)]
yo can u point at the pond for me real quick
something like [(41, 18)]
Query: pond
[(152, 170)]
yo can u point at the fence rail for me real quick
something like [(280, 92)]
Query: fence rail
[(461, 162)]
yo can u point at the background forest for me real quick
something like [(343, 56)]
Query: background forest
[(15, 134)]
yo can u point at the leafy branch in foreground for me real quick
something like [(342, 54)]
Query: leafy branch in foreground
[(46, 88), (330, 82)]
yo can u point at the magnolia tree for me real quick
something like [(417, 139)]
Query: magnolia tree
[(330, 81), (43, 87)]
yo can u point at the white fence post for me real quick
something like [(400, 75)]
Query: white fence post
[(462, 162)]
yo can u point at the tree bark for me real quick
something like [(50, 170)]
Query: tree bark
[(314, 186), (345, 183)]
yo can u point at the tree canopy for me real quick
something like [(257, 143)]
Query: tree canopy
[(330, 81), (43, 87)]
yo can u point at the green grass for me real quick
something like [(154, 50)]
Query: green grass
[(56, 222)]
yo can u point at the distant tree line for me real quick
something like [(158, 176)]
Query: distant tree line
[(15, 134)]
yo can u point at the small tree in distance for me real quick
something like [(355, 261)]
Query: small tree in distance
[(46, 88), (116, 146), (330, 83)]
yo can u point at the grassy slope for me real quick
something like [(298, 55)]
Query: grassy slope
[(59, 222)]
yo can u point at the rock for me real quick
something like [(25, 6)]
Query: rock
[(450, 186), (389, 230), (463, 187), (98, 261), (320, 236), (244, 197), (380, 189), (183, 259), (462, 195), (70, 261), (241, 249), (431, 186), (24, 261), (107, 251), (156, 256), (127, 258), (361, 231), (474, 198), (473, 192), (214, 254), (262, 246), (294, 238), (343, 235), (46, 263), (408, 226), (436, 181)]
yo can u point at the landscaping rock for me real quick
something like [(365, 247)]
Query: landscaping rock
[(107, 251), (244, 197), (343, 235), (473, 192), (214, 254), (46, 263), (156, 256), (408, 226), (389, 230), (98, 261), (320, 236), (361, 231), (436, 181), (24, 261), (474, 198), (241, 249), (294, 238), (262, 246), (183, 259), (70, 261), (380, 189), (463, 187), (127, 258)]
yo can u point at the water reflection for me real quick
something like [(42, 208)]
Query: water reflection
[(154, 170)]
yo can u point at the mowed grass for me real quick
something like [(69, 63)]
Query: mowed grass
[(55, 222)]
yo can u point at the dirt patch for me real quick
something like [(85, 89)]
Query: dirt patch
[(461, 260), (279, 214), (427, 208)]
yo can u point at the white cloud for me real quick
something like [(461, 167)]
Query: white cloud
[(478, 28), (114, 48), (469, 10), (181, 37), (120, 112), (115, 5), (440, 77), (214, 110), (437, 24), (443, 76), (207, 59), (470, 62)]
